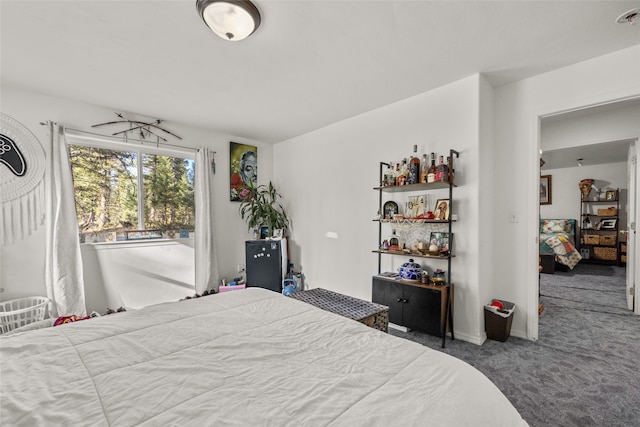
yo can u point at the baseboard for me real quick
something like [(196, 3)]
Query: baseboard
[(477, 340), (398, 327)]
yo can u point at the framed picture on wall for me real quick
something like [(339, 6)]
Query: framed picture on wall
[(243, 167), (608, 224), (545, 190), (441, 210)]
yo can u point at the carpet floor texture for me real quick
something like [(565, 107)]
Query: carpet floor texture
[(583, 370)]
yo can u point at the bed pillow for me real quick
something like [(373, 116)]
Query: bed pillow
[(555, 226)]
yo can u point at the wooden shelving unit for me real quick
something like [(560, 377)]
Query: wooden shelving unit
[(599, 228), (423, 307)]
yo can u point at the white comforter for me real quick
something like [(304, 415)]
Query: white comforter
[(242, 358)]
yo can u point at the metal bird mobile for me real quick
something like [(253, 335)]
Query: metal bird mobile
[(143, 130)]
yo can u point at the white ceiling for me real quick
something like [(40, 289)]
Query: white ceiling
[(590, 155), (310, 64)]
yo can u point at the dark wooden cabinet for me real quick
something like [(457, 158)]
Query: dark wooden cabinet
[(413, 305)]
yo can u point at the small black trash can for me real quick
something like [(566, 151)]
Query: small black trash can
[(497, 322)]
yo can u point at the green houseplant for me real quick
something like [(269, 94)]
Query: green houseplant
[(259, 207)]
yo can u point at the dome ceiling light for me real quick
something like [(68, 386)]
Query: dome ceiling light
[(630, 17), (232, 20)]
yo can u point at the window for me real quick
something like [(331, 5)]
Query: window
[(120, 190)]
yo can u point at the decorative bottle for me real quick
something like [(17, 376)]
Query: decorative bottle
[(401, 179), (389, 177), (442, 172), (451, 172), (431, 172), (414, 167), (424, 167)]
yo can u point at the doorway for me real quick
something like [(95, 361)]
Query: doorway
[(593, 143)]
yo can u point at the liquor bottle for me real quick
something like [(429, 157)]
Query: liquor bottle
[(405, 170), (424, 167), (404, 174), (431, 173), (414, 167), (389, 177), (396, 173), (442, 172), (452, 173)]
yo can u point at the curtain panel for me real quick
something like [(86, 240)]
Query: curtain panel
[(63, 264), (206, 257)]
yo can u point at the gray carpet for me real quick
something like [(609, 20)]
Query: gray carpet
[(583, 370)]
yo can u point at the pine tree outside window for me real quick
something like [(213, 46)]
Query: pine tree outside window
[(125, 190)]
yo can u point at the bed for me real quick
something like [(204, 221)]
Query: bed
[(248, 357), (557, 244)]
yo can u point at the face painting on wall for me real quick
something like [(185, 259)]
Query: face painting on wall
[(243, 167)]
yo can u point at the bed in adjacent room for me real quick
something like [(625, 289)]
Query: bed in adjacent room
[(557, 244), (249, 357)]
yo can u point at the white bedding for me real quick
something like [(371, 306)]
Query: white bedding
[(243, 358)]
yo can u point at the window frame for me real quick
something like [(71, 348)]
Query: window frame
[(140, 147)]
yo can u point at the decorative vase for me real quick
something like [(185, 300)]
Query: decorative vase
[(410, 270)]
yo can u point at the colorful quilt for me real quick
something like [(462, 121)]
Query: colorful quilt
[(564, 250)]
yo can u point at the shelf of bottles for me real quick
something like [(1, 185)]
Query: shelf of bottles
[(414, 176), (407, 175)]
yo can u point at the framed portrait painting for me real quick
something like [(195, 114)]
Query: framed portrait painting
[(545, 190), (243, 167), (441, 210)]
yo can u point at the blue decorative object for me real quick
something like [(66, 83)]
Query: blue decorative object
[(410, 270), (289, 286)]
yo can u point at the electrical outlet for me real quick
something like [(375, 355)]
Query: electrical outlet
[(240, 268)]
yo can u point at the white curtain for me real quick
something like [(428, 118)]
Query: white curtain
[(206, 257), (63, 275)]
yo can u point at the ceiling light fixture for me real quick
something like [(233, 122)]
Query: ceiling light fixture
[(630, 17), (232, 20)]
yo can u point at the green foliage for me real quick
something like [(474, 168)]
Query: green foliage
[(106, 190), (259, 207)]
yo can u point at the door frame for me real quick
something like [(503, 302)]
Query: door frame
[(632, 224), (533, 226)]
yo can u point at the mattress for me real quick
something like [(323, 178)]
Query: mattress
[(249, 357)]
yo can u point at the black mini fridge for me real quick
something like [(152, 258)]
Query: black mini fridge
[(266, 263)]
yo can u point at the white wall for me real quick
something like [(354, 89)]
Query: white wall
[(327, 179), (22, 263), (591, 128), (565, 195), (517, 134)]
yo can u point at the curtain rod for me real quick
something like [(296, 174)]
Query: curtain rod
[(126, 140)]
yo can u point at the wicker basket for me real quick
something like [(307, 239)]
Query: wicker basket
[(607, 212), (608, 254), (22, 311), (608, 240), (591, 239)]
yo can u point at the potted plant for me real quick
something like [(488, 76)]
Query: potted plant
[(260, 208)]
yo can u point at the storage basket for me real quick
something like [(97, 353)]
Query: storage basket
[(607, 212), (591, 239), (22, 311), (608, 240), (608, 254)]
